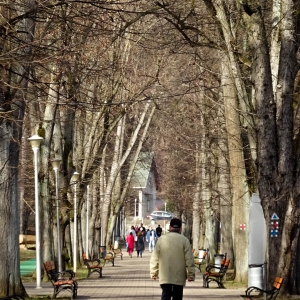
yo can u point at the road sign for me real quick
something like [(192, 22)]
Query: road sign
[(242, 226), (274, 233), (274, 217), (275, 225)]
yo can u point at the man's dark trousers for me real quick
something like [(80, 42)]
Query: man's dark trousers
[(171, 291)]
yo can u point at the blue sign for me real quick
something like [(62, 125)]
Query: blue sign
[(274, 217), (274, 233)]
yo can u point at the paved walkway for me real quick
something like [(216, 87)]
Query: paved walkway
[(130, 279)]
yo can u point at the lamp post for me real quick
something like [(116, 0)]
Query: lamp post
[(87, 220), (35, 142), (74, 179), (134, 210), (165, 219), (55, 164)]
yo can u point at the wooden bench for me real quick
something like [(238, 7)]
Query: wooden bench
[(273, 292), (64, 280), (199, 261), (107, 257), (116, 252), (213, 275), (93, 265)]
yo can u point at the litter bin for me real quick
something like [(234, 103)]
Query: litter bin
[(102, 251), (116, 244), (218, 259), (256, 275), (201, 254)]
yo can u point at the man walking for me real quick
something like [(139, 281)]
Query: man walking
[(158, 230), (173, 262), (143, 229), (151, 237)]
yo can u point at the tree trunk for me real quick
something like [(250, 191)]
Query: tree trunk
[(120, 198), (117, 163), (16, 74), (10, 133), (196, 207), (240, 197), (224, 185)]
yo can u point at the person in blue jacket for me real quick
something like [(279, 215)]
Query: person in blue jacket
[(151, 237)]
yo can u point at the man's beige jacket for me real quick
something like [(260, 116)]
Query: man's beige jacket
[(172, 259)]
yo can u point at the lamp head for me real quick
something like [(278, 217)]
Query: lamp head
[(55, 163), (35, 141), (75, 177)]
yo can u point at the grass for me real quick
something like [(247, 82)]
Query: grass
[(27, 254), (80, 274), (231, 284)]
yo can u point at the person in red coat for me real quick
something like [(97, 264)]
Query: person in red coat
[(130, 243)]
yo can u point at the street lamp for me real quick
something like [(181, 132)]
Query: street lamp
[(87, 221), (35, 142), (75, 179), (165, 219), (55, 165), (134, 210)]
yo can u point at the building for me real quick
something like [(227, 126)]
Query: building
[(144, 183)]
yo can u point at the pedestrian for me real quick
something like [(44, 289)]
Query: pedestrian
[(142, 228), (134, 233), (140, 245), (136, 229), (158, 231), (130, 229), (172, 261), (130, 243), (151, 237)]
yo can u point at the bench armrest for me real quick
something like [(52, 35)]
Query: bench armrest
[(12, 297), (211, 266), (92, 261), (69, 274)]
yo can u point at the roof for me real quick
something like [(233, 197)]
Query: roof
[(142, 170)]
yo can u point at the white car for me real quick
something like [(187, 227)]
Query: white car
[(160, 215)]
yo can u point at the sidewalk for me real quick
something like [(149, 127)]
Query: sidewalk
[(130, 279)]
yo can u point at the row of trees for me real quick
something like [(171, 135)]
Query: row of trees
[(209, 85)]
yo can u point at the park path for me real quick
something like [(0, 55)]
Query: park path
[(130, 279)]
